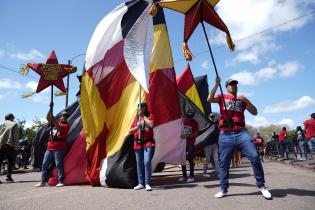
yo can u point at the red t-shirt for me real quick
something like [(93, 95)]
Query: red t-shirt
[(235, 108), (190, 127), (282, 135), (61, 137), (309, 128), (147, 134)]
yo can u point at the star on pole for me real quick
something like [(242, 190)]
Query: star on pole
[(51, 72), (196, 11)]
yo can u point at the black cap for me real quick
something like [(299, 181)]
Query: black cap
[(313, 115), (231, 81)]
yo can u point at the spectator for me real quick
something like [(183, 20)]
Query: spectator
[(259, 143), (211, 151), (283, 144), (191, 130), (9, 143), (275, 138), (310, 133), (302, 145)]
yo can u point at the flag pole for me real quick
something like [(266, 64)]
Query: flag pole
[(51, 108), (139, 110), (215, 66)]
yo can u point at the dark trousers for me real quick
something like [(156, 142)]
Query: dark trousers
[(190, 158), (8, 152)]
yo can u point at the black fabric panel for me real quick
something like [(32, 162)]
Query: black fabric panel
[(187, 104), (208, 137), (121, 167), (159, 18), (203, 91), (135, 9)]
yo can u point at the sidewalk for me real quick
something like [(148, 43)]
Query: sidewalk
[(306, 164)]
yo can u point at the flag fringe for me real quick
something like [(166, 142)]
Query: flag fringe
[(26, 95), (230, 42), (24, 69), (188, 55)]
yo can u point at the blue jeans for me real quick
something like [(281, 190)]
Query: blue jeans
[(311, 145), (303, 148), (144, 169), (190, 158), (48, 158), (242, 140), (284, 148)]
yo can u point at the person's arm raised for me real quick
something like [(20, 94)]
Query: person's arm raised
[(211, 96)]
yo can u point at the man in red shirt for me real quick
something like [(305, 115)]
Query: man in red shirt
[(191, 130), (233, 134), (309, 126), (56, 147), (283, 144)]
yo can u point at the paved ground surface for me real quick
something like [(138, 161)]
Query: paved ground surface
[(292, 188)]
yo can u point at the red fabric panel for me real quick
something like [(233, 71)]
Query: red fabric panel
[(163, 96), (111, 75), (185, 80), (95, 154), (211, 16), (192, 19), (74, 163)]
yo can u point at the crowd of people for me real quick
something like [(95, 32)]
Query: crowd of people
[(229, 141)]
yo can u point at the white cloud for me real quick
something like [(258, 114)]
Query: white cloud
[(288, 69), (40, 98), (9, 84), (263, 122), (205, 64), (287, 122), (33, 55), (32, 85), (254, 16), (288, 106)]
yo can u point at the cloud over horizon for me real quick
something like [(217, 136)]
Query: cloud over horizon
[(288, 106)]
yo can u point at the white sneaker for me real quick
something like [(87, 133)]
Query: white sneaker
[(138, 187), (41, 184), (60, 185), (206, 175), (148, 187), (190, 179), (182, 179), (220, 194), (265, 193)]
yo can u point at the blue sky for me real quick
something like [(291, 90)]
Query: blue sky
[(275, 69)]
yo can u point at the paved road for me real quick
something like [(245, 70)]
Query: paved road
[(292, 188)]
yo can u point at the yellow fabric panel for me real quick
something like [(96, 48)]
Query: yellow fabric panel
[(90, 104), (161, 57), (213, 2), (120, 117), (178, 5), (193, 95)]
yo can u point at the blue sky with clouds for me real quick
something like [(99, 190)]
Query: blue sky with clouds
[(275, 68)]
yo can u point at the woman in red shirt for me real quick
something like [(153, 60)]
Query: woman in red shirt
[(56, 147), (144, 145)]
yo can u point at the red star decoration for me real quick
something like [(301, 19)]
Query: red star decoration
[(202, 11), (51, 73)]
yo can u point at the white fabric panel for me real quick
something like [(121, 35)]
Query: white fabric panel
[(103, 172), (138, 48), (170, 147), (106, 35)]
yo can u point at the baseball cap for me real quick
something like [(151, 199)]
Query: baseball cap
[(231, 81), (64, 113)]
